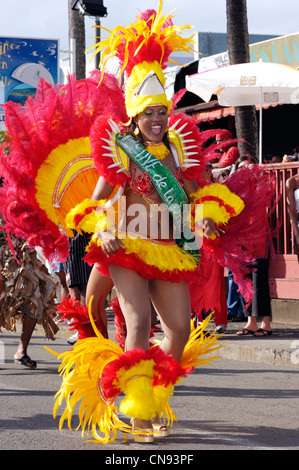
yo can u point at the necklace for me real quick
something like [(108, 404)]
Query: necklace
[(160, 151)]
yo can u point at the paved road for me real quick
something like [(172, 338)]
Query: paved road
[(231, 406)]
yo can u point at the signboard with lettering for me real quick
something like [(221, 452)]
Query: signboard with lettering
[(283, 50), (280, 50)]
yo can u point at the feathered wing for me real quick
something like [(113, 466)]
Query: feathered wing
[(242, 233), (76, 314), (248, 230), (187, 145), (47, 163)]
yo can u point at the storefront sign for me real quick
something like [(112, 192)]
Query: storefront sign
[(23, 62), (283, 50)]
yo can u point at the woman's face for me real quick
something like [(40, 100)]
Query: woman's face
[(152, 123), (244, 163)]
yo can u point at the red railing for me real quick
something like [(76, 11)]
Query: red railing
[(284, 267)]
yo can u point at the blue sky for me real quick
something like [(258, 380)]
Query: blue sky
[(49, 18)]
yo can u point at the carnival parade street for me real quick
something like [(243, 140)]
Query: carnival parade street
[(231, 404)]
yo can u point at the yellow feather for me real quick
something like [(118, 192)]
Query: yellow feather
[(170, 35), (82, 366), (215, 209)]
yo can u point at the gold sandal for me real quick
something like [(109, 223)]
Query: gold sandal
[(146, 434), (160, 429)]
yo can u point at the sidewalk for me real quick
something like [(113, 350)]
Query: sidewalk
[(279, 349)]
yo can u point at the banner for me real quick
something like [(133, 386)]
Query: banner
[(23, 61), (283, 50), (280, 50)]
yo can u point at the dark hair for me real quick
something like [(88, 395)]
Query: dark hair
[(241, 159)]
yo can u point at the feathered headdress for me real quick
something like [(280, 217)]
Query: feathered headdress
[(143, 49)]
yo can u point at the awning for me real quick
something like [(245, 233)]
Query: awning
[(211, 115), (214, 112)]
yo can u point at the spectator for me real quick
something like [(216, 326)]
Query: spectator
[(228, 150), (234, 301), (244, 160), (59, 271), (98, 289), (290, 158), (276, 159), (33, 300), (261, 304), (77, 271)]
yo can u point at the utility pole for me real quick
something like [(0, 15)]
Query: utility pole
[(77, 42), (238, 51), (94, 9), (97, 39)]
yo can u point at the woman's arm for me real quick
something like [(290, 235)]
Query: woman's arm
[(102, 190), (109, 242)]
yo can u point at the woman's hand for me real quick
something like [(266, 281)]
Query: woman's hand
[(110, 243), (209, 228)]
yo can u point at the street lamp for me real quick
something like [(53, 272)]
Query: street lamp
[(90, 8)]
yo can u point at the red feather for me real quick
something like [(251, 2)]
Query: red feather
[(53, 117), (165, 371), (74, 310)]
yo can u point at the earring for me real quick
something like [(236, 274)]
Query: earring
[(136, 130)]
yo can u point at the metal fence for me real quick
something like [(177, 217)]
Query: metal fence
[(280, 225), (284, 267)]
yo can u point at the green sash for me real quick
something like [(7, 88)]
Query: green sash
[(166, 185)]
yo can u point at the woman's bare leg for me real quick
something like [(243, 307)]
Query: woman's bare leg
[(172, 302), (133, 296), (99, 287), (28, 326)]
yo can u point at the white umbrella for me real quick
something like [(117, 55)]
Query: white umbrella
[(252, 83)]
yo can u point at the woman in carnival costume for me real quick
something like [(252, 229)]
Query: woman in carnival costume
[(149, 161)]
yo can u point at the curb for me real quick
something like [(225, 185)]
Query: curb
[(275, 356), (280, 350)]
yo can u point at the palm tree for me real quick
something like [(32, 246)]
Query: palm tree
[(77, 32), (238, 50)]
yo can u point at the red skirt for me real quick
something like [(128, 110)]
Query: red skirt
[(153, 259)]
